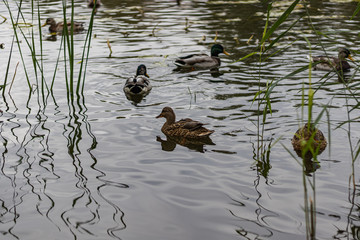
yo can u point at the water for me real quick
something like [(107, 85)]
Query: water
[(100, 173)]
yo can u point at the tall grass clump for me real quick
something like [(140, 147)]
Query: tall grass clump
[(262, 98), (31, 34), (265, 50)]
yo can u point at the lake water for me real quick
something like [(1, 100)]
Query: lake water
[(95, 169)]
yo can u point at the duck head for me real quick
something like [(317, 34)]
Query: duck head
[(167, 113), (216, 49), (49, 21), (345, 53), (141, 70)]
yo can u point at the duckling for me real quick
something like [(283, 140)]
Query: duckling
[(59, 27), (303, 135), (138, 85), (333, 63), (92, 3), (187, 127), (202, 61)]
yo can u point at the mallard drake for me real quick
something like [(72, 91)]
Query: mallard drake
[(339, 63), (187, 127), (138, 85), (59, 27), (202, 61), (92, 3), (304, 134)]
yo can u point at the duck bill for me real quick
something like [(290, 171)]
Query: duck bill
[(226, 53), (44, 25), (160, 116), (351, 58)]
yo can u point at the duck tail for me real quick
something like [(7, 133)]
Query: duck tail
[(179, 62), (206, 134)]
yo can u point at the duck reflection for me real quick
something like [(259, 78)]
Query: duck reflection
[(214, 72), (193, 144), (343, 77), (309, 142), (51, 37)]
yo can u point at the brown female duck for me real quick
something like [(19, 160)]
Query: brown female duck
[(304, 134), (202, 61), (59, 27), (339, 63), (187, 127)]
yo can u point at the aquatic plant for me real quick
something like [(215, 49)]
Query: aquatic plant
[(27, 32)]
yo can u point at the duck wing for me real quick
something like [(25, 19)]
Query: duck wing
[(137, 85), (143, 81), (193, 125), (188, 128), (193, 59)]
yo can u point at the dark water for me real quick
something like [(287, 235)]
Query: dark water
[(95, 170)]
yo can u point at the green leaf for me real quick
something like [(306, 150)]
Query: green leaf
[(249, 55), (279, 21), (356, 11)]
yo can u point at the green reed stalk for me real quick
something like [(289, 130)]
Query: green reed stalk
[(37, 64), (263, 96), (15, 27), (32, 47), (68, 51), (357, 10), (85, 55)]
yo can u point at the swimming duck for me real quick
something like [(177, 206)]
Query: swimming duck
[(333, 63), (138, 85), (59, 27), (187, 127), (304, 134), (202, 61), (92, 3)]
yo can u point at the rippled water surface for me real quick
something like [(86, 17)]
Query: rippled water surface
[(97, 169)]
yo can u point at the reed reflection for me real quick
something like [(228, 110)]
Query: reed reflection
[(89, 205), (27, 162), (8, 198), (35, 173)]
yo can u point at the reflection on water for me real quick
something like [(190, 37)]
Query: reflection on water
[(37, 176), (92, 167), (194, 144)]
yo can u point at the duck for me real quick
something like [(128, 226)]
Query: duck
[(202, 61), (59, 27), (186, 127), (138, 85), (304, 134), (92, 3), (339, 63)]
